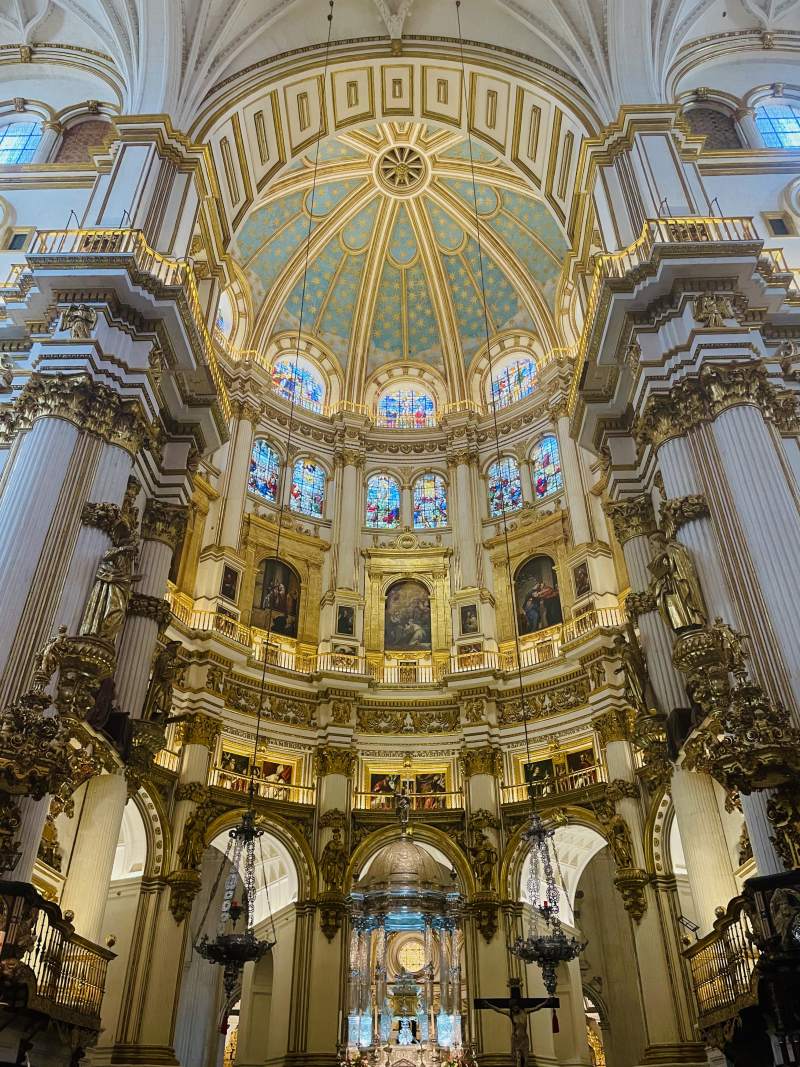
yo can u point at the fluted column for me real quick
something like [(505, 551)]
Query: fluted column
[(162, 527), (349, 515), (461, 462), (573, 483), (89, 874), (234, 489)]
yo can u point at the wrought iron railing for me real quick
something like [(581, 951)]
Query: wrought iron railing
[(44, 963), (722, 965)]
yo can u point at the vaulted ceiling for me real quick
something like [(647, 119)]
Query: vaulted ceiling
[(169, 53), (397, 264)]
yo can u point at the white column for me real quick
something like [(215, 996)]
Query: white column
[(89, 873), (768, 514), (573, 484), (234, 490), (526, 479), (466, 522), (51, 133), (705, 847), (349, 517)]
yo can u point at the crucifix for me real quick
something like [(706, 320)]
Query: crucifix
[(518, 1009)]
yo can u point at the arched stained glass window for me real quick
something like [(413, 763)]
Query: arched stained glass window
[(779, 124), (383, 502), (308, 488), (264, 468), (513, 379), (406, 409), (19, 141), (546, 463), (430, 502), (505, 487), (294, 378)]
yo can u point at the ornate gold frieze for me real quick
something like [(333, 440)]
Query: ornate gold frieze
[(407, 721), (483, 760), (631, 518), (342, 712), (331, 759), (154, 608), (164, 522), (474, 710), (199, 729), (704, 397), (540, 703), (88, 404), (678, 511), (243, 696)]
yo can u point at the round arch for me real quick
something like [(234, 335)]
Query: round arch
[(424, 835), (157, 830)]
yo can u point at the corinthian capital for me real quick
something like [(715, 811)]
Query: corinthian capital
[(163, 522), (631, 518)]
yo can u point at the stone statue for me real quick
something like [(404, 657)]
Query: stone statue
[(638, 690), (676, 585), (158, 701), (619, 838), (193, 842), (484, 856), (333, 861), (402, 807), (104, 614), (48, 659), (80, 320), (712, 309)]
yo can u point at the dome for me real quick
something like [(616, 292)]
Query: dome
[(394, 265), (405, 864)]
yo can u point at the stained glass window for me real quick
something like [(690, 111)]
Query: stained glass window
[(505, 487), (308, 488), (406, 409), (292, 378), (19, 141), (513, 380), (264, 467), (779, 125), (546, 463), (383, 502), (430, 502)]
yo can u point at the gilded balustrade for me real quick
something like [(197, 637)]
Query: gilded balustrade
[(722, 965)]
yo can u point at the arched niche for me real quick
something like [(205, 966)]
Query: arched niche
[(504, 351), (276, 601), (311, 355), (536, 596), (277, 883), (440, 846), (292, 848), (407, 617)]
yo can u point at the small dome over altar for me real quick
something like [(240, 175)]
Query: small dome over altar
[(405, 864)]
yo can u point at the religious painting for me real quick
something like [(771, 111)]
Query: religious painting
[(275, 778), (540, 774), (429, 788), (383, 785), (536, 594), (345, 620), (407, 618), (234, 771), (583, 583), (469, 620), (277, 598), (229, 586), (581, 767)]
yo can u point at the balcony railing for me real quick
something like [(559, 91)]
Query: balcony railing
[(240, 783), (556, 784), (43, 962), (419, 801), (722, 965), (130, 245), (612, 266)]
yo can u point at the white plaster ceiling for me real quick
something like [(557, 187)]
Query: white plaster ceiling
[(170, 53)]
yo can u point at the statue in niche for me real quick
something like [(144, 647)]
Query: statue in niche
[(333, 861), (619, 838), (104, 614), (676, 585), (484, 856), (166, 667), (638, 690), (80, 320)]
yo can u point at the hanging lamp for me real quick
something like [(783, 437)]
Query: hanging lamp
[(546, 944), (232, 949)]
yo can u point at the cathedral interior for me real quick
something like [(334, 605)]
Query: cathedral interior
[(399, 533)]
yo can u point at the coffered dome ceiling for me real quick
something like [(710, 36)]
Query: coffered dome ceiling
[(394, 273)]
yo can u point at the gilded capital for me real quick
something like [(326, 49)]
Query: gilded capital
[(88, 404), (676, 512), (331, 759), (164, 522), (484, 760), (631, 518), (637, 604), (614, 725), (154, 608), (199, 729)]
